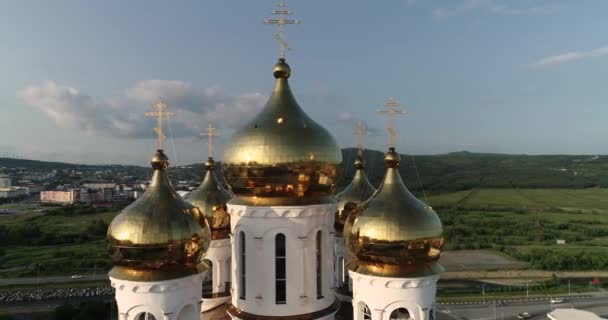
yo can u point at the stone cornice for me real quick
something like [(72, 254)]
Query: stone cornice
[(281, 211), (396, 283)]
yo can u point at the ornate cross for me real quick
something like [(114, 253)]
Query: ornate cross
[(360, 131), (281, 12), (392, 112), (210, 133), (159, 113)]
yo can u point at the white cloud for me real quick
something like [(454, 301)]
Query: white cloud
[(492, 6), (562, 58), (123, 115)]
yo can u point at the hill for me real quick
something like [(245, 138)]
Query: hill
[(465, 170), (454, 171)]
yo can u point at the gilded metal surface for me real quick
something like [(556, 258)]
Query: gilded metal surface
[(393, 234), (211, 198), (282, 157), (355, 193), (158, 231)]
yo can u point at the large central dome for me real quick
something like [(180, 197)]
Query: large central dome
[(282, 157)]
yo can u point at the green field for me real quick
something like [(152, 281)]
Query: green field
[(526, 223), (522, 223), (68, 240)]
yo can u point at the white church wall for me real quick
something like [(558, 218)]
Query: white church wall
[(299, 225), (383, 295), (219, 253), (164, 300)]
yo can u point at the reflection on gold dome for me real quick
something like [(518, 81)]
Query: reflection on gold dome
[(211, 198), (356, 192), (393, 234), (157, 237), (282, 157)]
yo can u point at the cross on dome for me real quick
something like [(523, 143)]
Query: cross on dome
[(210, 133), (159, 113), (392, 112), (359, 132), (281, 12)]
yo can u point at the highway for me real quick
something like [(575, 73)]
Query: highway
[(538, 308), (57, 279)]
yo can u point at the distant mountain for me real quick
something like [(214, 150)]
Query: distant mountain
[(466, 170), (433, 173)]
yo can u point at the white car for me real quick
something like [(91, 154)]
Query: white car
[(557, 300), (524, 315), (76, 276)]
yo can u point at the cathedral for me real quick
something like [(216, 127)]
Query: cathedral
[(277, 242)]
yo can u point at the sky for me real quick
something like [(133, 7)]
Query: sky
[(500, 76)]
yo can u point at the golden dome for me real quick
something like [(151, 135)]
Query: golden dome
[(393, 234), (157, 237), (356, 192), (211, 198), (282, 157)]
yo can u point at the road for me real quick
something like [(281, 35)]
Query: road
[(57, 279), (597, 304)]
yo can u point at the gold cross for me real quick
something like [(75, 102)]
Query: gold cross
[(210, 133), (360, 131), (392, 112), (281, 12), (159, 113)]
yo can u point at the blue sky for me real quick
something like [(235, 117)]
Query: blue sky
[(508, 76)]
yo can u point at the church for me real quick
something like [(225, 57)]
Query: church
[(277, 242)]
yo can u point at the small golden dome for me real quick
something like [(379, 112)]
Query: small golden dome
[(157, 237), (211, 198), (393, 234), (281, 69), (356, 192), (282, 157)]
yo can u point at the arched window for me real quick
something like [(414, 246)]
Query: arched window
[(319, 267), (243, 266), (145, 316), (228, 284), (187, 313), (364, 312), (339, 269), (280, 269), (400, 314), (208, 280)]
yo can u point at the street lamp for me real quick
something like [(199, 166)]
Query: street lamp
[(527, 289)]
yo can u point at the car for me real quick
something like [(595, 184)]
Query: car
[(557, 300), (524, 315), (76, 276)]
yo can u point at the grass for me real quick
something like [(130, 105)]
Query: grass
[(76, 250), (592, 200)]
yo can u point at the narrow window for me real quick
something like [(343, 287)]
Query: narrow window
[(364, 312), (208, 280), (243, 266), (280, 269), (227, 284), (319, 274), (145, 316), (400, 314)]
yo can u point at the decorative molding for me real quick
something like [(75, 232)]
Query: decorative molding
[(396, 283), (282, 212)]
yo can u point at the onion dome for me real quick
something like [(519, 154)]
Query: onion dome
[(393, 234), (356, 192), (282, 157), (211, 198), (158, 237)]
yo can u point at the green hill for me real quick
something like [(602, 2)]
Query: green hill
[(465, 170), (449, 172)]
